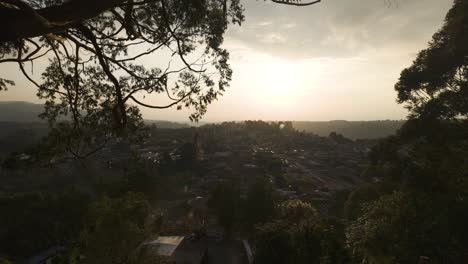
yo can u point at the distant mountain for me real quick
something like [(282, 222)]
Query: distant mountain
[(21, 112), (351, 129), (166, 124), (24, 112)]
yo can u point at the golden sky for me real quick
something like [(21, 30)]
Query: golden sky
[(335, 60)]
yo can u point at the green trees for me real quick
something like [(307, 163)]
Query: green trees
[(297, 235), (115, 228), (402, 226), (108, 230), (436, 85), (243, 214), (225, 202), (260, 204), (388, 230), (419, 205), (141, 178), (32, 222), (4, 261)]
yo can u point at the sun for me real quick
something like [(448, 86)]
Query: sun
[(280, 78)]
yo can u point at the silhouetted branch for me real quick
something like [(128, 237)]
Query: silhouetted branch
[(179, 47), (296, 2), (29, 57), (20, 63), (118, 89)]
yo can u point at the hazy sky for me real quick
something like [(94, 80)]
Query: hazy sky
[(335, 60)]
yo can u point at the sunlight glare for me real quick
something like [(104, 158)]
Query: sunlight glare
[(280, 78)]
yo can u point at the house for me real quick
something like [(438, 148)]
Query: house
[(180, 249), (165, 245), (200, 250)]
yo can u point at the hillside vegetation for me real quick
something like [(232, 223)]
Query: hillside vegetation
[(351, 129)]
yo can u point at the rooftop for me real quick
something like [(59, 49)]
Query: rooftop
[(165, 245)]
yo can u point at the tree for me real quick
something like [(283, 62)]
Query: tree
[(400, 227), (96, 69), (260, 203), (141, 179), (116, 228), (338, 138), (420, 204), (357, 198), (420, 207), (96, 75), (224, 201), (42, 17), (436, 85), (297, 235), (188, 155), (4, 261), (33, 222)]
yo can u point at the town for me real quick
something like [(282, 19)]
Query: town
[(182, 167)]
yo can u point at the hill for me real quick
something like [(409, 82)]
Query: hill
[(20, 112), (166, 124), (351, 129), (24, 112)]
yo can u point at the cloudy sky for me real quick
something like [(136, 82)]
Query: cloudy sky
[(335, 60)]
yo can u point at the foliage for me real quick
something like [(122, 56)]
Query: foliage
[(115, 229), (297, 235), (406, 214), (260, 203), (372, 236), (436, 85), (400, 227), (4, 83), (188, 156), (4, 261), (225, 201), (351, 129), (141, 178), (32, 222), (96, 75), (339, 139), (357, 198), (419, 205)]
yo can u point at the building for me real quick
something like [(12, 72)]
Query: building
[(180, 249)]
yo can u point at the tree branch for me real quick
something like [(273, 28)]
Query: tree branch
[(118, 89), (19, 23), (295, 2)]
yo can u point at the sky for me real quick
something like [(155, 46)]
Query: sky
[(337, 60)]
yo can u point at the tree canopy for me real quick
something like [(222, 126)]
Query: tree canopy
[(297, 235), (417, 207), (436, 85), (116, 228), (99, 71)]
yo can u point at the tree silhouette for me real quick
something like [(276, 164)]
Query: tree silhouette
[(297, 235), (96, 76), (436, 85), (33, 18)]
